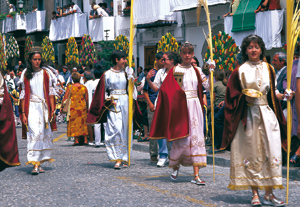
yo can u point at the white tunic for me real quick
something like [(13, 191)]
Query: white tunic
[(116, 129), (256, 151), (39, 139)]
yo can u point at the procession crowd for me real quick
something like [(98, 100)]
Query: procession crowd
[(172, 111)]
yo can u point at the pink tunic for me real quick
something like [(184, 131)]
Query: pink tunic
[(190, 151)]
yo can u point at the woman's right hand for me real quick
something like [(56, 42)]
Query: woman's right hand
[(150, 74), (24, 119)]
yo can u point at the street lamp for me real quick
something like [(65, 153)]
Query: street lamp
[(20, 4)]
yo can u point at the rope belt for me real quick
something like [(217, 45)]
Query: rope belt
[(37, 99), (118, 92), (191, 94)]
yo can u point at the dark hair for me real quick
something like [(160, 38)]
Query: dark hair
[(29, 71), (100, 4), (76, 77), (54, 12), (98, 73), (174, 56), (197, 61), (253, 38), (219, 74), (72, 3), (159, 55), (105, 5), (89, 75), (117, 54)]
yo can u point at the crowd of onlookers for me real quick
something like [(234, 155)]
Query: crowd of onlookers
[(97, 10)]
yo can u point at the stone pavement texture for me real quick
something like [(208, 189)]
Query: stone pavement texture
[(83, 176)]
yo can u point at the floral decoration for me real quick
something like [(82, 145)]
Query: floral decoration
[(48, 50), (72, 52), (12, 48), (2, 54), (28, 46), (246, 163), (87, 54), (122, 43), (167, 43), (225, 50)]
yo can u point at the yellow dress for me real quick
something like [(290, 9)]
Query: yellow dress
[(77, 121)]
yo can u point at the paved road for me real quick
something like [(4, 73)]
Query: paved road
[(82, 176)]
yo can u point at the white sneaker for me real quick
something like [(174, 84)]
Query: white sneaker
[(92, 143), (162, 162)]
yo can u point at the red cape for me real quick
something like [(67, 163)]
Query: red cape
[(171, 118), (9, 155), (236, 108), (99, 106)]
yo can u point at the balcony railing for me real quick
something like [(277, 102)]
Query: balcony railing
[(36, 21), (72, 25), (31, 22), (13, 24), (268, 25), (102, 28)]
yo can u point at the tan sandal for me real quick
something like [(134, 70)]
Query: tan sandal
[(35, 170), (255, 201)]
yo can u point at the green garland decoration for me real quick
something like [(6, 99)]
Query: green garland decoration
[(87, 54), (48, 50), (12, 48), (28, 46), (225, 50), (72, 52)]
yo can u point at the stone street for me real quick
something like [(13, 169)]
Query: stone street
[(83, 176)]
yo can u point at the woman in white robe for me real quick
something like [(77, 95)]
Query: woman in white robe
[(39, 134), (116, 128), (256, 159)]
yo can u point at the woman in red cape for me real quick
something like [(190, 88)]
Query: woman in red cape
[(254, 125), (9, 154), (178, 116)]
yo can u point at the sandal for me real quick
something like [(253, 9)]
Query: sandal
[(174, 175), (35, 170), (255, 201), (117, 166), (41, 170), (271, 200), (198, 181), (295, 158)]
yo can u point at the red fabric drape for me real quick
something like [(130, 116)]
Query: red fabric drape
[(9, 155), (171, 119)]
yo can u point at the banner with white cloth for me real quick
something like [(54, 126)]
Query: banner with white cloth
[(36, 21), (73, 25), (150, 11), (179, 5), (268, 25), (98, 26)]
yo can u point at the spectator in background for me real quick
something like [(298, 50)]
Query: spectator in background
[(65, 10), (266, 5), (54, 15), (34, 8), (17, 78), (108, 11), (58, 11), (65, 74), (90, 85), (17, 66), (140, 73), (78, 109), (232, 8), (75, 8), (98, 12), (12, 8)]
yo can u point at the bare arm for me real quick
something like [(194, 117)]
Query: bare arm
[(150, 104)]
